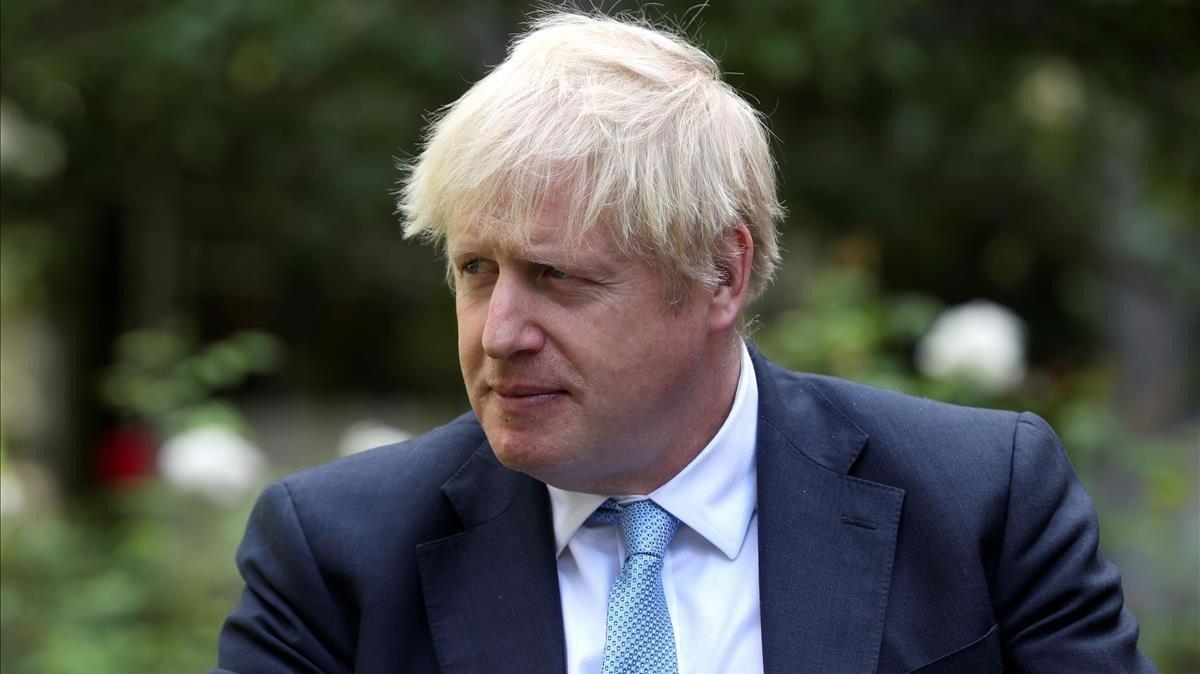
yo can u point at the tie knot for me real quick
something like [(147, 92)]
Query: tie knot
[(646, 528)]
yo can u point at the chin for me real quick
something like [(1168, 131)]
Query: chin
[(514, 450), (536, 457)]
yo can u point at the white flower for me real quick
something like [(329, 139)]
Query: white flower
[(980, 341), (213, 461), (25, 489), (30, 149), (1051, 94), (366, 434), (12, 495)]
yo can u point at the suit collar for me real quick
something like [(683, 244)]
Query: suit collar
[(483, 488), (826, 539), (491, 591), (821, 431)]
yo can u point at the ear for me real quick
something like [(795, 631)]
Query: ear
[(732, 290)]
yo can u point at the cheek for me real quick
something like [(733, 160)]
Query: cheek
[(652, 355), (470, 335)]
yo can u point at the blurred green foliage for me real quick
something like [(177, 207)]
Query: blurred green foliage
[(139, 576), (843, 326), (140, 583), (1025, 152), (164, 380), (232, 162)]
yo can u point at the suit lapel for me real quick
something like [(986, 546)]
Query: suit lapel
[(491, 591), (826, 539)]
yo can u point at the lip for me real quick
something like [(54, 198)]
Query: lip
[(525, 390), (526, 396)]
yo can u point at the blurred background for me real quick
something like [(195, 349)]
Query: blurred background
[(204, 285)]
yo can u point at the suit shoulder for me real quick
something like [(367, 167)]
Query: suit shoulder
[(882, 413), (909, 439), (418, 465)]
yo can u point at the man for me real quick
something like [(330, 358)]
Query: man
[(636, 490)]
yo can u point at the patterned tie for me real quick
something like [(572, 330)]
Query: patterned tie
[(639, 637)]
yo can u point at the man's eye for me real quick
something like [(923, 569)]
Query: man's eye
[(555, 273), (475, 266)]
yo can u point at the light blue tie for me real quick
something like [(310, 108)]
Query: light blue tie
[(639, 637)]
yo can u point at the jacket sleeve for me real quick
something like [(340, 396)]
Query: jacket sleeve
[(287, 619), (1058, 600)]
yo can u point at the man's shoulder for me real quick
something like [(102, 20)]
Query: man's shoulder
[(956, 464), (406, 472), (877, 410), (882, 411), (911, 440)]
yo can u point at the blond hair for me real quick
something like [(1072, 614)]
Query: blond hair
[(627, 125)]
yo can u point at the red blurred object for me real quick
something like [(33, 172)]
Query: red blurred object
[(124, 456)]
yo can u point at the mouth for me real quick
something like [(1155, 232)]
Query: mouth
[(523, 396), (518, 390)]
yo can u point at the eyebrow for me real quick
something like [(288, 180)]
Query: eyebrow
[(456, 250), (524, 255), (575, 261)]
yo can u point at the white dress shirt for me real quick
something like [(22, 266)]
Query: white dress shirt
[(710, 572)]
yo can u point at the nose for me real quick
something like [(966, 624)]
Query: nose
[(511, 327)]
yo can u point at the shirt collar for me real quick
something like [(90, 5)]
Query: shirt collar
[(715, 494)]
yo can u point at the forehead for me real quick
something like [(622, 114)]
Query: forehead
[(547, 236)]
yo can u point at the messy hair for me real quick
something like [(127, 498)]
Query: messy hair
[(627, 126)]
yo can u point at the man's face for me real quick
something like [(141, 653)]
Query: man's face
[(580, 373)]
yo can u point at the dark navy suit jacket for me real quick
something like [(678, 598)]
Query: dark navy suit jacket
[(895, 534)]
